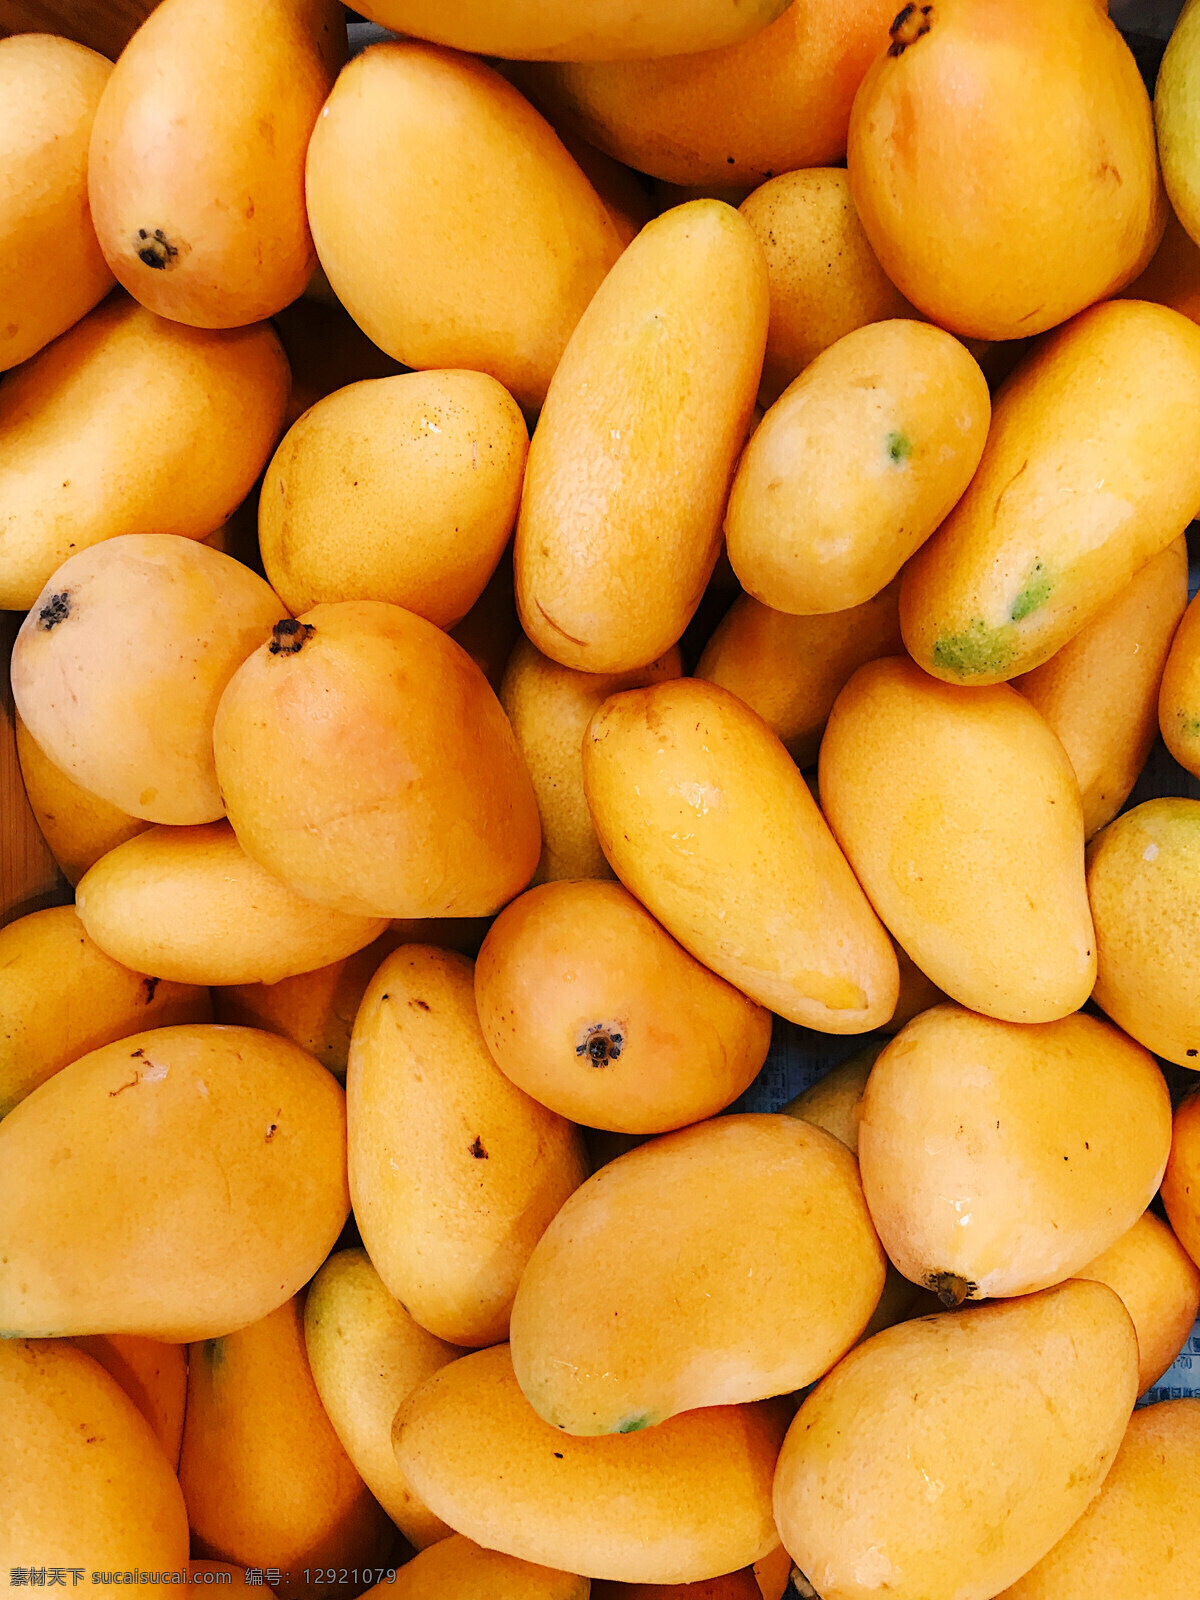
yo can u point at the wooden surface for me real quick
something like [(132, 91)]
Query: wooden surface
[(29, 878), (104, 25)]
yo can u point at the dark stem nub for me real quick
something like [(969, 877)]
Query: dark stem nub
[(288, 637), (154, 249), (909, 26), (57, 609), (799, 1585), (601, 1045), (950, 1289)]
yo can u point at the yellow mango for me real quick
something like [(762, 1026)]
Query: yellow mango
[(917, 992), (620, 520), (1181, 1185), (999, 1158), (403, 795), (592, 1008), (622, 191), (491, 270), (1092, 466), (85, 1482), (264, 1475), (152, 1374), (52, 271), (78, 826), (191, 904), (791, 669), (1142, 874), (955, 1512), (729, 1262), (454, 1172), (130, 424), (960, 814), (455, 1566), (1160, 1287), (1100, 692), (1179, 693), (854, 466), (705, 818), (1173, 276), (400, 489), (1140, 1534), (1175, 117), (773, 1574), (223, 1145), (61, 996), (685, 1501), (834, 1102)]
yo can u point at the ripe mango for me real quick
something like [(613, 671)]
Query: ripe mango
[(1175, 118), (1181, 1184), (834, 1101), (77, 825), (1173, 276), (740, 1585), (490, 630), (455, 1566), (152, 1374), (1179, 693), (1160, 1287)]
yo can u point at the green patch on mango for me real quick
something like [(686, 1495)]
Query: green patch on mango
[(635, 1424), (899, 447), (214, 1352), (979, 648), (1038, 587)]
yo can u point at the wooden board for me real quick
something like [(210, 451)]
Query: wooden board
[(104, 25)]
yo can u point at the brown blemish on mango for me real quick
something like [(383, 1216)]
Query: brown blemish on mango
[(57, 609), (910, 25)]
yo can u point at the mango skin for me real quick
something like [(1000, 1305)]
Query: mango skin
[(955, 1514), (53, 271), (855, 466), (455, 1566), (913, 774), (86, 1482), (1160, 1287), (229, 1139), (152, 1374), (1173, 276), (491, 272), (77, 825), (1100, 692), (1181, 1185), (740, 1585), (698, 806), (1005, 1155), (1083, 480), (1142, 875), (1179, 693), (675, 1504), (620, 520), (61, 996), (726, 1263), (1175, 119), (834, 1102)]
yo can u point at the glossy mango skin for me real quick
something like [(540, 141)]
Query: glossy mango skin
[(913, 774), (1160, 1287), (1092, 466), (619, 527), (491, 271), (77, 825), (53, 271), (1181, 1185), (456, 1566), (1179, 693), (154, 1376)]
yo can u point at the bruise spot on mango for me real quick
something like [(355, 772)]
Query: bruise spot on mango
[(1038, 588), (57, 609), (978, 648), (289, 637), (155, 250), (150, 985)]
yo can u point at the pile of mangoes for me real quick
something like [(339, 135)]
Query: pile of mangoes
[(532, 570)]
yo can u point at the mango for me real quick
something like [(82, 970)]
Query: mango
[(1139, 1534), (739, 1585), (152, 1374), (85, 1482), (491, 270), (199, 1181), (773, 1574), (834, 1101), (729, 1262), (960, 814), (1175, 116), (620, 519), (52, 271), (999, 1158), (854, 466), (61, 996), (1100, 692), (704, 817), (400, 489), (366, 763), (623, 192), (917, 992), (455, 1566), (1173, 276), (1142, 875), (263, 1473), (454, 1172), (971, 1481), (1160, 1287), (1179, 693), (682, 1502), (944, 159), (77, 826), (130, 424), (1181, 1184), (592, 1008)]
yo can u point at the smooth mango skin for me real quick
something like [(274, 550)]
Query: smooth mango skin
[(196, 171), (1179, 693), (152, 1374), (1140, 1534), (77, 825), (999, 1158), (1181, 1185), (1160, 1287), (1175, 118), (61, 996), (401, 489), (1092, 466), (854, 466), (367, 1355), (983, 1435), (943, 160), (85, 1482), (455, 1566), (52, 271), (726, 1263), (130, 424), (790, 669), (1100, 692), (454, 1172), (674, 1504), (199, 1181), (1142, 876), (365, 761), (191, 904), (620, 521), (960, 814), (550, 706), (262, 1470), (592, 1008), (705, 818), (490, 271), (834, 1102)]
